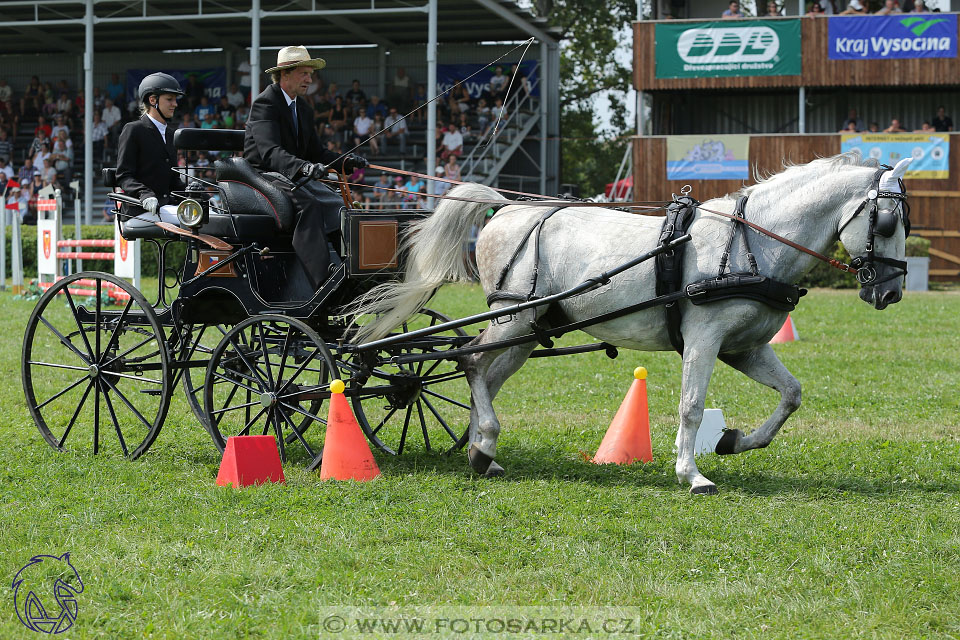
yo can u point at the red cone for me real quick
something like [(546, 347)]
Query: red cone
[(250, 460), (787, 333), (628, 437), (346, 453)]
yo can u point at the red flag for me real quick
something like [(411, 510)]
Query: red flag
[(11, 183)]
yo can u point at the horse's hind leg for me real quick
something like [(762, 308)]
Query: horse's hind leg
[(486, 373), (762, 365)]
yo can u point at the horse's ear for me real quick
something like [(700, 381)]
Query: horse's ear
[(901, 169), (890, 180)]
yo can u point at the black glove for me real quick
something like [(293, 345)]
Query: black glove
[(316, 171), (353, 162)]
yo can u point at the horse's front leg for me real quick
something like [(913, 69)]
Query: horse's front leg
[(763, 365), (698, 363)]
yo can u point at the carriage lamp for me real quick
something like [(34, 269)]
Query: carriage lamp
[(190, 213)]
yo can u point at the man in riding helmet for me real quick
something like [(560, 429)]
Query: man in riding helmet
[(146, 156), (282, 142)]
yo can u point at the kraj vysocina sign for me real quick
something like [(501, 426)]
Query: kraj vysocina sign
[(930, 35), (728, 48)]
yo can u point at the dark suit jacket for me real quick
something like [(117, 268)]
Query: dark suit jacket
[(270, 143), (145, 160)]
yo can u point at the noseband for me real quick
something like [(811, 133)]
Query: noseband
[(882, 223)]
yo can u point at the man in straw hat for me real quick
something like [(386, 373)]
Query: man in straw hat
[(281, 141)]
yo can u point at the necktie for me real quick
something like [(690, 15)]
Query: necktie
[(296, 125)]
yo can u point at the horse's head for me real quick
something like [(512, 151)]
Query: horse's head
[(874, 233)]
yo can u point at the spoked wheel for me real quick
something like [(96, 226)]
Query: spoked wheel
[(400, 406), (270, 375), (197, 343), (93, 372)]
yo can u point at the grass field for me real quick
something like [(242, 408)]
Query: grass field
[(847, 526)]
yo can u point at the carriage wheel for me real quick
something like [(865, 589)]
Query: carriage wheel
[(270, 374), (87, 367), (197, 343), (429, 401)]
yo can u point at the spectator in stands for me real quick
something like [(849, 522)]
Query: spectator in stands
[(889, 7), (483, 116), (874, 128), (64, 105), (6, 146), (498, 84), (396, 130), (452, 142), (855, 119), (235, 97), (381, 188), (316, 89), (32, 96), (98, 99), (6, 96), (464, 126), (828, 6), (59, 126), (413, 187), (333, 93), (773, 11), (204, 108), (942, 121), (894, 127), (246, 78), (42, 154), (62, 157), (242, 114), (376, 107), (420, 99), (338, 114), (208, 122), (438, 187), (498, 113), (100, 135), (115, 89), (362, 128), (918, 7), (226, 113), (6, 170), (188, 121), (452, 169), (49, 172), (40, 140), (399, 92), (377, 131), (463, 99), (112, 117), (25, 175), (356, 94), (62, 136), (815, 9), (926, 127), (732, 12), (855, 8), (43, 126)]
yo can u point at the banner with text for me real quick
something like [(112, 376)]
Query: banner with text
[(479, 85), (930, 151), (930, 35), (214, 81), (715, 157), (718, 49)]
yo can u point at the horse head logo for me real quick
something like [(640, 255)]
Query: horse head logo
[(56, 581)]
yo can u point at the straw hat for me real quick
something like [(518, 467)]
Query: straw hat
[(293, 57)]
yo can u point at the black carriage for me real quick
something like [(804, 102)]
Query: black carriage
[(237, 324)]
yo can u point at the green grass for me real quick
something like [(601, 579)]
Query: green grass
[(847, 526)]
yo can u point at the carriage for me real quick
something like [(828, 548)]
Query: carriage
[(235, 323)]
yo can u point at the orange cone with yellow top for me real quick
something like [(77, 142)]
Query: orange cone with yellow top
[(346, 453), (628, 437)]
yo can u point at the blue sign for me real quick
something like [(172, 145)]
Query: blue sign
[(930, 151), (214, 80), (479, 85), (930, 35), (45, 594)]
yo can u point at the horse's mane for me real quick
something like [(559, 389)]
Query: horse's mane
[(822, 165)]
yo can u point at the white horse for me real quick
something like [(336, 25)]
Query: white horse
[(812, 204)]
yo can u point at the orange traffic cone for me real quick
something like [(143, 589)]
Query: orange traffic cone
[(250, 460), (346, 454), (628, 437), (787, 333)]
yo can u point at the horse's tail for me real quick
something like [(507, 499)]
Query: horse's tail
[(435, 255)]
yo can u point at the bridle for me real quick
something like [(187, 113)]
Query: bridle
[(883, 222)]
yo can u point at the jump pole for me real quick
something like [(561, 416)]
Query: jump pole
[(3, 242)]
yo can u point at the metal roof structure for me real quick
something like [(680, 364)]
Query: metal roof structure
[(86, 27), (46, 26)]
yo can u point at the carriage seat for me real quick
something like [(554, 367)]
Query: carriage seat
[(254, 202), (142, 225)]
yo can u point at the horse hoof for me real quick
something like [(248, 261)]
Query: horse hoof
[(704, 490), (494, 470), (728, 442), (479, 461)]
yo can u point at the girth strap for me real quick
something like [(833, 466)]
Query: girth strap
[(738, 212), (669, 265)]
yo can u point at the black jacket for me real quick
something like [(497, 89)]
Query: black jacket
[(270, 143), (145, 161)]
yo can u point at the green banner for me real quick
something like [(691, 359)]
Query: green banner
[(728, 48)]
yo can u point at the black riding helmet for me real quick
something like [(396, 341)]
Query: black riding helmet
[(157, 84)]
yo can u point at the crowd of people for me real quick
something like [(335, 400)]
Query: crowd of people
[(835, 7), (940, 122)]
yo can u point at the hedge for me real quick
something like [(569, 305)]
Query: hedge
[(148, 255)]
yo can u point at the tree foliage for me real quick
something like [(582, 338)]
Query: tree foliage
[(592, 79)]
